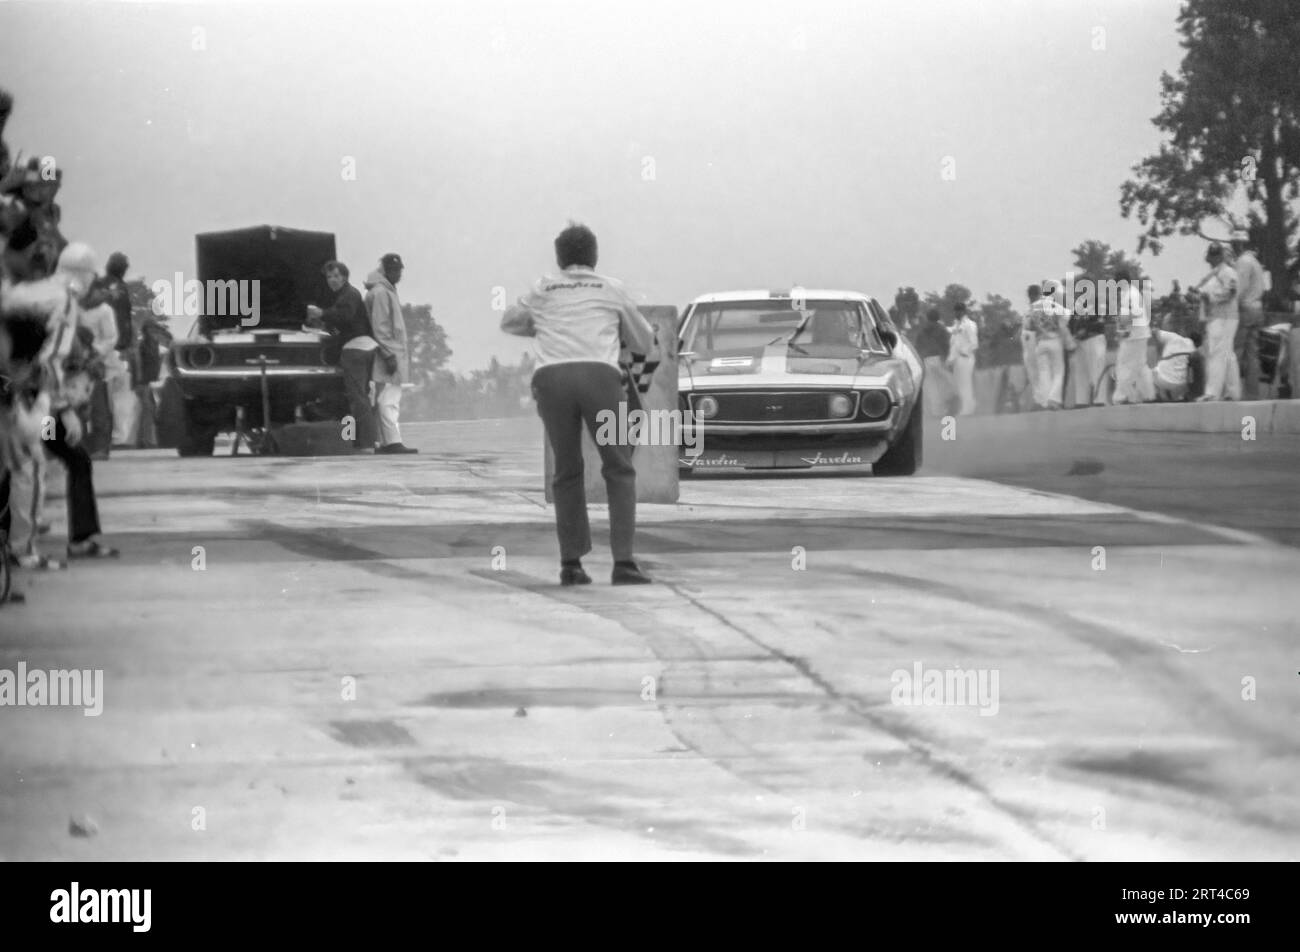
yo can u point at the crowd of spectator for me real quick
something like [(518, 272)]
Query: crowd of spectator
[(65, 346), (1212, 341)]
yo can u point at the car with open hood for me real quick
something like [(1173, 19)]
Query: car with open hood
[(249, 362), (797, 381)]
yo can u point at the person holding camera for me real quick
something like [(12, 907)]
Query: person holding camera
[(393, 360)]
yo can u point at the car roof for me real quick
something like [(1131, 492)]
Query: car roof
[(768, 294)]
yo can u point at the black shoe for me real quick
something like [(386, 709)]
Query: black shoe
[(396, 448), (574, 575), (627, 573)]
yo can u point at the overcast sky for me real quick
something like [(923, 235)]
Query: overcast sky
[(711, 145)]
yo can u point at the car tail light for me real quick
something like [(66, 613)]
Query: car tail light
[(841, 405), (875, 404), (706, 408)]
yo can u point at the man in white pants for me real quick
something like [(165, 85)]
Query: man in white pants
[(965, 341), (1251, 284), (1046, 319), (1133, 381), (393, 360), (1218, 291)]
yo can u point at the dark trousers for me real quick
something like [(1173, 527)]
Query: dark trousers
[(83, 514), (1246, 346), (5, 521), (356, 366), (568, 398), (97, 421)]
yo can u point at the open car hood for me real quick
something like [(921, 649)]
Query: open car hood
[(286, 262)]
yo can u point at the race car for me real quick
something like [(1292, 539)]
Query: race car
[(797, 381), (246, 373)]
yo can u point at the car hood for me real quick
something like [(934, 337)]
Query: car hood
[(778, 365)]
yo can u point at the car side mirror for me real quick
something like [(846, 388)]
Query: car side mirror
[(890, 339)]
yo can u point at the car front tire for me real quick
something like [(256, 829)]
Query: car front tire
[(903, 458)]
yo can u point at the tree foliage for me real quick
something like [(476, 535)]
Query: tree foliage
[(1232, 118)]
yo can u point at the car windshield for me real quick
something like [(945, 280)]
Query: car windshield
[(731, 327)]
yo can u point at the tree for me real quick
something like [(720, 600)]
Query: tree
[(907, 308), (1233, 120), (952, 295), (1097, 261), (427, 342)]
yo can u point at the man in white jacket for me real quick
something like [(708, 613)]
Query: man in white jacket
[(578, 319), (392, 369), (1047, 320), (1251, 284), (1218, 291), (963, 344), (1133, 381)]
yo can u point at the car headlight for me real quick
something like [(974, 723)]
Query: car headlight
[(201, 357), (706, 408), (840, 405), (875, 404)]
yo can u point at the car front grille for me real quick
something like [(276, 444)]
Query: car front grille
[(246, 355), (811, 406)]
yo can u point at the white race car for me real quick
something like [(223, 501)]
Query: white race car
[(798, 381)]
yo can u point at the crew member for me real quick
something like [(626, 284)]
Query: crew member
[(392, 369), (577, 317), (348, 318)]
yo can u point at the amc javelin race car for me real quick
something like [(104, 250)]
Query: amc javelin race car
[(797, 381), (246, 369)]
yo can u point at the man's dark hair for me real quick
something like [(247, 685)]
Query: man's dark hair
[(117, 265), (576, 245), (338, 266), (1034, 291)]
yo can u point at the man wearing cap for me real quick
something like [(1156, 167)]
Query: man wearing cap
[(1250, 313), (577, 318), (1218, 292), (392, 368)]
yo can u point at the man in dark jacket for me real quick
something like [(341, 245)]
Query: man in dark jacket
[(932, 342), (155, 338), (348, 319)]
